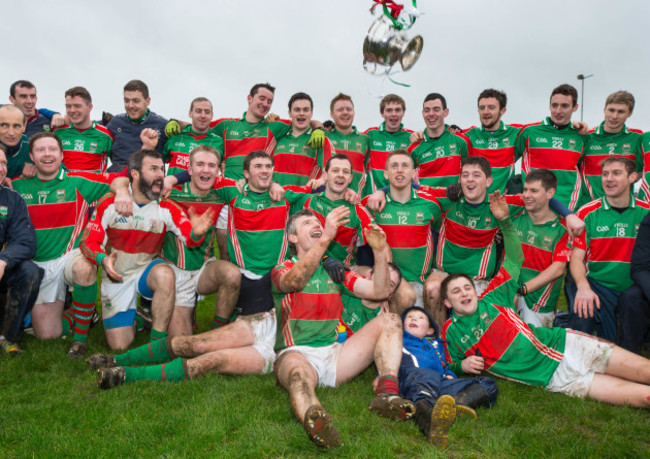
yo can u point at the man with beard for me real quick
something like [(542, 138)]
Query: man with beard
[(132, 267)]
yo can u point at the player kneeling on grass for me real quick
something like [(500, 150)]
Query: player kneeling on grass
[(558, 359), (309, 306), (426, 380), (132, 267)]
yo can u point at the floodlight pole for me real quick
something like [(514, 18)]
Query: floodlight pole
[(582, 79)]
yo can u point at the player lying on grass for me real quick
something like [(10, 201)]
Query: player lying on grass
[(487, 334)]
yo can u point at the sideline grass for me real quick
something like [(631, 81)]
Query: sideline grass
[(50, 407)]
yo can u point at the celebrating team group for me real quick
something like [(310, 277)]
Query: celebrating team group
[(326, 236)]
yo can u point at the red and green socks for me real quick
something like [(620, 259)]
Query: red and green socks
[(387, 385), (83, 306)]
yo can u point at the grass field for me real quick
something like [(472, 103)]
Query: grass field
[(50, 407)]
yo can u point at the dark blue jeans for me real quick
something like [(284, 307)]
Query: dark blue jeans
[(423, 383), (604, 319), (633, 319), (20, 285)]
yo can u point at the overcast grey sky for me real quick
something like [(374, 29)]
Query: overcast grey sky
[(218, 49)]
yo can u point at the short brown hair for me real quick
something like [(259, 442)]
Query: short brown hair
[(20, 84), (254, 155), (500, 96), (137, 85), (566, 90), (548, 178), (391, 99), (338, 97), (258, 86), (444, 286), (200, 99), (79, 91), (621, 97), (42, 135), (207, 149), (399, 152), (629, 165), (479, 161)]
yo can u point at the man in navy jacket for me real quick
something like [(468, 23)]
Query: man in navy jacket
[(20, 278)]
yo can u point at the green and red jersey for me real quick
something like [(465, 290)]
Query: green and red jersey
[(59, 208), (438, 160), (356, 147), (542, 245), (241, 137), (355, 314), (382, 142), (85, 150), (542, 146), (174, 249), (466, 243), (344, 246), (512, 349), (257, 239), (498, 147), (177, 148), (309, 317), (295, 162), (601, 145), (608, 240), (644, 191), (408, 232)]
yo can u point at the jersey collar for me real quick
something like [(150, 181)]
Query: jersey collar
[(382, 127), (502, 127), (601, 130)]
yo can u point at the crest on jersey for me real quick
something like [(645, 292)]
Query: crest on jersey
[(636, 229), (419, 216), (60, 195), (452, 148), (3, 211), (93, 146), (152, 223), (572, 143), (359, 146), (626, 147), (488, 221), (506, 141), (546, 242)]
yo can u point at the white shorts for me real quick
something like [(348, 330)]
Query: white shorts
[(322, 359), (186, 285), (122, 296), (264, 327), (419, 291), (222, 221), (538, 319), (58, 275), (584, 355)]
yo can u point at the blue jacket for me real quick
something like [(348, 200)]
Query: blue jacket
[(127, 137), (427, 352), (17, 234)]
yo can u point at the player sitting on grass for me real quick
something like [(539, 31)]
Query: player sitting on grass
[(426, 380), (558, 359), (309, 306)]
